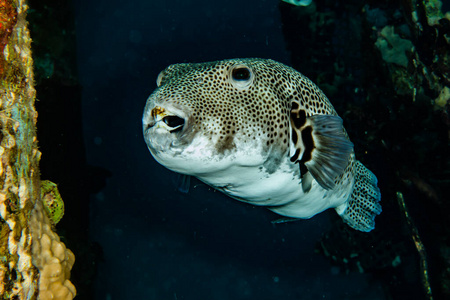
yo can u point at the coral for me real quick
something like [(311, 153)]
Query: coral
[(34, 263), (51, 257), (433, 11), (392, 47)]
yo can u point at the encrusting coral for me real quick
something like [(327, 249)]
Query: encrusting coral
[(51, 257), (34, 263), (392, 47)]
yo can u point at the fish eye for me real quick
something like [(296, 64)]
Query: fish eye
[(241, 73), (241, 76), (174, 122)]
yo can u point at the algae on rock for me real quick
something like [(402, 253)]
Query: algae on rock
[(34, 263)]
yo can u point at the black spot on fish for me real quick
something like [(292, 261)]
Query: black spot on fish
[(295, 156), (308, 142), (299, 119), (294, 137), (303, 170)]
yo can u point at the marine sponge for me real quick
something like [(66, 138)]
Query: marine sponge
[(53, 204), (392, 47), (443, 98)]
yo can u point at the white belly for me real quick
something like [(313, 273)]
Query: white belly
[(281, 191), (244, 178)]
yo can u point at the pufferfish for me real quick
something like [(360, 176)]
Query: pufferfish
[(262, 133)]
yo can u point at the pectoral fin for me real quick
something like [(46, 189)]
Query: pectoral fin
[(320, 143), (331, 151)]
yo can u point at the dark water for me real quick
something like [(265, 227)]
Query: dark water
[(156, 242)]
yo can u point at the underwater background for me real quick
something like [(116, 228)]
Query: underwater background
[(135, 236)]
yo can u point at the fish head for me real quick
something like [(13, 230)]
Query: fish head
[(206, 117)]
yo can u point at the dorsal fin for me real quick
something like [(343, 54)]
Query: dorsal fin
[(319, 142)]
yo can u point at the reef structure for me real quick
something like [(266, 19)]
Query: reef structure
[(391, 83), (34, 263)]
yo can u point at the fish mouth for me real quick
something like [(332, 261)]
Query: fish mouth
[(167, 126), (161, 117)]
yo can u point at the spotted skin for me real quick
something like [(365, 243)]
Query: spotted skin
[(258, 131), (194, 84)]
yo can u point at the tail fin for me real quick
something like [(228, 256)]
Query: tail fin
[(364, 202)]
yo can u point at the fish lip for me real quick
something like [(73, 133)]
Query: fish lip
[(161, 123), (158, 135)]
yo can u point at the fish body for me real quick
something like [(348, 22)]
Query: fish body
[(262, 133)]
